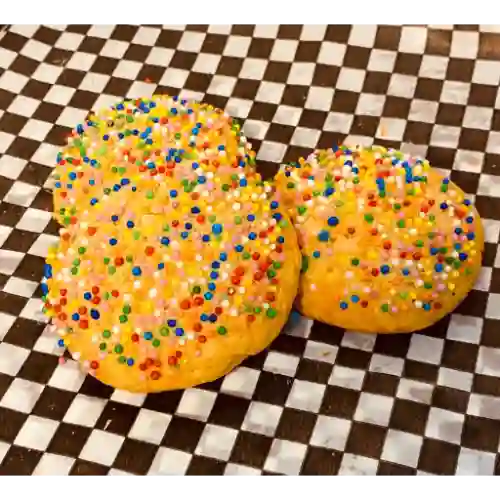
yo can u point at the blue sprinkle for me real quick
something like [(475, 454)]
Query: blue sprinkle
[(214, 275), (355, 299), (179, 332), (171, 323), (60, 343), (136, 271), (384, 269), (239, 248), (45, 288), (195, 210), (113, 241), (462, 256), (165, 241), (316, 254), (333, 221), (471, 236), (87, 295), (443, 206), (469, 220), (208, 296), (252, 236), (130, 362), (161, 265), (329, 191), (188, 226), (114, 218), (47, 271), (217, 229), (202, 179), (215, 264), (173, 193), (130, 224), (251, 217), (344, 305), (93, 201), (211, 287), (204, 317), (223, 256), (438, 267), (148, 335), (406, 271), (75, 317), (212, 318), (94, 314), (458, 230), (323, 236), (72, 176), (205, 238), (274, 204), (184, 235), (281, 239), (427, 307)]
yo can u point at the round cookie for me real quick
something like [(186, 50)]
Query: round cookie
[(142, 137), (389, 245), (173, 285)]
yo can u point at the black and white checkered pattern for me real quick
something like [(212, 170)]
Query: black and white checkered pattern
[(320, 400)]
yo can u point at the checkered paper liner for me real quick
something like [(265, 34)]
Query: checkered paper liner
[(319, 400)]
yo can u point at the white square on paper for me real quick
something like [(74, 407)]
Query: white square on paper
[(425, 349), (21, 194), (351, 79), (21, 395), (331, 432), (402, 448), (283, 364), (36, 433), (262, 418), (284, 50), (168, 462), (445, 425), (150, 426), (374, 409), (84, 410), (196, 403), (306, 396), (241, 382), (285, 457), (102, 447), (216, 442)]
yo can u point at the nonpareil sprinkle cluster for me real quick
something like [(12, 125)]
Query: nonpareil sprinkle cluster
[(403, 235), (170, 238), (116, 146)]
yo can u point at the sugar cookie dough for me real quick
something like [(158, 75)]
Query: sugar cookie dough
[(389, 245), (118, 144), (178, 274)]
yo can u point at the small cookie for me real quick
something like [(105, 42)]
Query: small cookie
[(389, 245)]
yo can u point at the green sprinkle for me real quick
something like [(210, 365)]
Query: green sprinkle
[(385, 308), (305, 264), (123, 318), (118, 348), (222, 330), (156, 343), (102, 346), (355, 262), (369, 218), (271, 313), (164, 331), (106, 334)]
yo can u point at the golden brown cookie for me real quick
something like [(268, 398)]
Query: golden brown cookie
[(167, 289), (119, 144), (389, 245)]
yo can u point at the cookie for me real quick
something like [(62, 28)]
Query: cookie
[(389, 245)]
